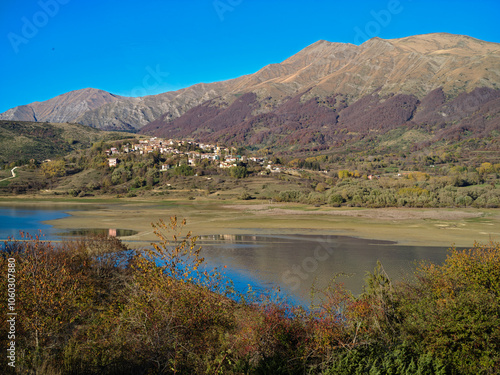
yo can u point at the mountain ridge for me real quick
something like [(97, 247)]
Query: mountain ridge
[(62, 108), (413, 65)]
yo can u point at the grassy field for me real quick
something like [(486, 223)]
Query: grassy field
[(4, 173), (423, 227)]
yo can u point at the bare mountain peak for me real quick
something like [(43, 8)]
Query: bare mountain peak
[(422, 43), (413, 65), (377, 45), (322, 46), (438, 43), (62, 108), (322, 53), (321, 41)]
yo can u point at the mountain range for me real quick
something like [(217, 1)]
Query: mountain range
[(325, 94)]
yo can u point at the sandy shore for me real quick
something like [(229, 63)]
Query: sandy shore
[(421, 227)]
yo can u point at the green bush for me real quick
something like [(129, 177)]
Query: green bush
[(183, 170), (378, 360), (238, 172), (335, 200), (290, 196)]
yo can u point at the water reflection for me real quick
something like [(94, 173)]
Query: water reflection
[(28, 220), (293, 262), (296, 263), (98, 231), (31, 219)]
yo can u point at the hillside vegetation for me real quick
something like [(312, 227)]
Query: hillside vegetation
[(302, 123), (396, 169), (89, 307), (21, 141)]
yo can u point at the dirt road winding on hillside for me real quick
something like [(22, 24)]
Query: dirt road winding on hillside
[(13, 174)]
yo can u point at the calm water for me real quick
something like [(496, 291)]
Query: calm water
[(16, 219), (31, 220), (293, 262), (297, 262)]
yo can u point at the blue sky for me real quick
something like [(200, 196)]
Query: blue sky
[(134, 48)]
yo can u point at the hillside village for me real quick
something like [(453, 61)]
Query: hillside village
[(192, 152)]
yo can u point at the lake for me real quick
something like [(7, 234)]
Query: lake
[(293, 262), (16, 219), (297, 262), (30, 220)]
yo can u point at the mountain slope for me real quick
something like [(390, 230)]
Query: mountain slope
[(414, 65), (323, 123), (133, 113), (63, 108), (330, 92), (417, 65)]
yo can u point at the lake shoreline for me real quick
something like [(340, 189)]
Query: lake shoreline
[(405, 226)]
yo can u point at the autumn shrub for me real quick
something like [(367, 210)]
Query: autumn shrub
[(321, 187), (52, 297), (332, 325), (453, 310), (444, 322), (93, 307), (280, 341)]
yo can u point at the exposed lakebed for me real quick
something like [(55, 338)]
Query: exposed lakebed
[(293, 262)]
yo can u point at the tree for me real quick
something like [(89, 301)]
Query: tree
[(486, 168), (183, 170), (321, 187), (344, 174), (56, 168), (336, 200), (169, 307), (238, 172)]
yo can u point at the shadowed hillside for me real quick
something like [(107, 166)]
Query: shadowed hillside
[(303, 123)]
